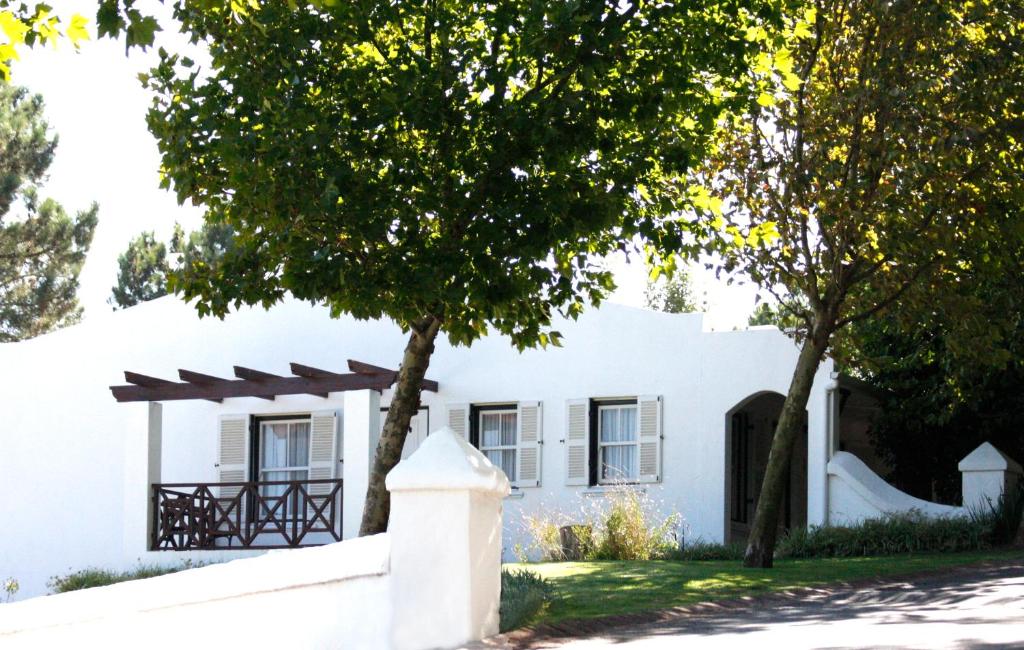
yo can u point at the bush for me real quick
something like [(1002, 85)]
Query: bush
[(10, 588), (625, 525), (93, 577), (631, 531), (904, 533), (1004, 516), (701, 551), (524, 595)]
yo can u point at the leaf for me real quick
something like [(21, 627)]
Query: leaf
[(791, 81), (13, 28), (766, 100), (76, 31)]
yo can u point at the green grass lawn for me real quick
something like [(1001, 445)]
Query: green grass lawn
[(589, 589)]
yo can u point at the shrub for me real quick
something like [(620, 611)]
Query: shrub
[(524, 595), (625, 525), (1004, 517), (630, 529), (701, 551), (93, 577), (904, 533)]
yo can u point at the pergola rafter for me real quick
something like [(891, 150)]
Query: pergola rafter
[(256, 383)]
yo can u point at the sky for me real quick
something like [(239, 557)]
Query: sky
[(97, 106)]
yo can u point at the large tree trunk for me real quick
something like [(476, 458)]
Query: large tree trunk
[(404, 404), (761, 544)]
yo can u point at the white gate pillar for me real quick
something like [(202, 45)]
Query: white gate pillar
[(142, 460), (445, 529), (987, 473), (361, 429)]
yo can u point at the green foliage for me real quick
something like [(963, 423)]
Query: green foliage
[(673, 295), (144, 266), (767, 313), (524, 595), (42, 248), (463, 161), (701, 551), (141, 272), (10, 589), (1004, 516), (939, 396), (631, 529), (908, 533), (93, 577)]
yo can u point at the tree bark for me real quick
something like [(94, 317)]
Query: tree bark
[(404, 404), (761, 544)]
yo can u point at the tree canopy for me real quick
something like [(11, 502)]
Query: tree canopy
[(144, 267), (674, 295), (42, 248)]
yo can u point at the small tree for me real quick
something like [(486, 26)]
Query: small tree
[(42, 248), (882, 166), (143, 268), (454, 165), (674, 295)]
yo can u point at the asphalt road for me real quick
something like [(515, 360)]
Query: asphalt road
[(981, 607)]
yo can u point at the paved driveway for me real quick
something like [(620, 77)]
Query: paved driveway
[(976, 608)]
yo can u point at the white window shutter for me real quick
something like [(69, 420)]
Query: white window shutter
[(323, 436), (649, 413), (232, 451), (528, 448), (458, 419), (577, 442)]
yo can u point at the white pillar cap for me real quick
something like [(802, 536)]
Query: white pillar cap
[(986, 458), (445, 461)]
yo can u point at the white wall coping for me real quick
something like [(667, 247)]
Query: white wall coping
[(445, 461), (880, 494), (986, 458), (274, 571)]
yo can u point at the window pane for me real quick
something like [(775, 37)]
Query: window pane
[(609, 425), (490, 429), (508, 429), (505, 459), (275, 445), (627, 423), (618, 462), (298, 448)]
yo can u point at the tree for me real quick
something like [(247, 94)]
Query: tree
[(672, 295), (769, 313), (42, 248), (141, 272), (143, 268), (455, 166), (881, 167), (939, 398)]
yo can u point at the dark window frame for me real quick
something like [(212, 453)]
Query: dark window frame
[(594, 457)]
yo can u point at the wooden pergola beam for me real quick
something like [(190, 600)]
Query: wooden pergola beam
[(256, 383), (246, 388), (370, 369)]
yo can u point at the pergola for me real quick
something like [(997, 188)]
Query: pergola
[(256, 383)]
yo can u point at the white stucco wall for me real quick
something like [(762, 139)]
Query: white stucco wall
[(63, 467), (857, 493), (432, 581)]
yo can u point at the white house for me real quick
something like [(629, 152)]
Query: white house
[(633, 396)]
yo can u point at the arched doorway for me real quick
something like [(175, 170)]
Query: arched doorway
[(749, 428)]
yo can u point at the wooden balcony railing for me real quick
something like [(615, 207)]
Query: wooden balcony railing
[(253, 514)]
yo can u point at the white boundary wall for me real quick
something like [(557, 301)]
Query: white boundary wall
[(421, 585), (856, 493)]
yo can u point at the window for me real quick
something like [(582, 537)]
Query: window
[(496, 428), (283, 455), (617, 441)]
